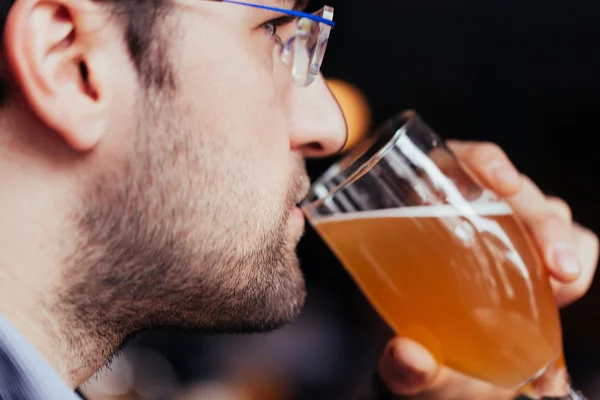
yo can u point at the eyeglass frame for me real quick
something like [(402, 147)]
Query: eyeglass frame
[(293, 13), (314, 63)]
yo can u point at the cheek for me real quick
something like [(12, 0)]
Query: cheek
[(230, 99), (230, 92)]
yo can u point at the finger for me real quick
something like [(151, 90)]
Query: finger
[(554, 238), (406, 367), (587, 246), (549, 222), (489, 165), (449, 165), (529, 202), (560, 207)]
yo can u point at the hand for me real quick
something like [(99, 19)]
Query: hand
[(570, 252)]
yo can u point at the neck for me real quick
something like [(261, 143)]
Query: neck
[(32, 317), (33, 248), (29, 278)]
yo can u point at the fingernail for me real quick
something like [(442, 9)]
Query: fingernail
[(504, 173), (566, 259)]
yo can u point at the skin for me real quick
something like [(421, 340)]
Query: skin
[(126, 207)]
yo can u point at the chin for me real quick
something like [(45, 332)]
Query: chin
[(272, 300), (279, 311), (255, 321)]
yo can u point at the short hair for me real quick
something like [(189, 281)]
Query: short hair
[(5, 6), (140, 19)]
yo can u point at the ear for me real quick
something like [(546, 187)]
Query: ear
[(55, 54)]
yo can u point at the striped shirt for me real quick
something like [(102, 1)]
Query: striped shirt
[(24, 373)]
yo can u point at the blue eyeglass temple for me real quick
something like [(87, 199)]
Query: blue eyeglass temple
[(294, 13)]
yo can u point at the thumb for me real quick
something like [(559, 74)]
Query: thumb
[(406, 367)]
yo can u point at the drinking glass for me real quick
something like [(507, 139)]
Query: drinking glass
[(442, 259)]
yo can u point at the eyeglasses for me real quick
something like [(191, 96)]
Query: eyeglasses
[(303, 53)]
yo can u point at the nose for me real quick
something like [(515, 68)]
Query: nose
[(319, 125)]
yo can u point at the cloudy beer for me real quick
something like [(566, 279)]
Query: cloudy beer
[(469, 286)]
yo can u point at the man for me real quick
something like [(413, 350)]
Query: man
[(151, 155)]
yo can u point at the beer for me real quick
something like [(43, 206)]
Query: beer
[(469, 285)]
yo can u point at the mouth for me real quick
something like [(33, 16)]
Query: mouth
[(304, 188)]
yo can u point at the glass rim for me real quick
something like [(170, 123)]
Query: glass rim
[(361, 159)]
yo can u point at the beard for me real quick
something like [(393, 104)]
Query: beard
[(162, 242)]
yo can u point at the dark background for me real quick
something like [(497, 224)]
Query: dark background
[(521, 74)]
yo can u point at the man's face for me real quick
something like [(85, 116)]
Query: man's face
[(190, 219)]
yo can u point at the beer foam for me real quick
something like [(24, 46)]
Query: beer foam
[(433, 211)]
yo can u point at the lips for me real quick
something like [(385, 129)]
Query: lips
[(304, 188)]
